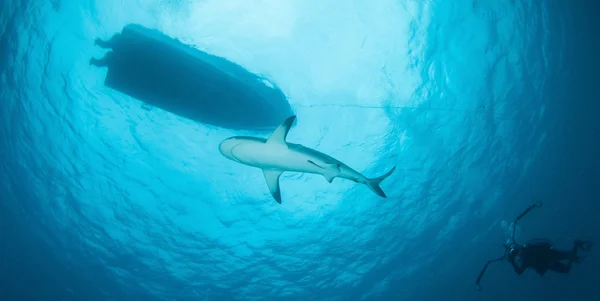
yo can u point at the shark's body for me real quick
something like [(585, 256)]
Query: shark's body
[(275, 156)]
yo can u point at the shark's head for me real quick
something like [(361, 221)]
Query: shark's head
[(239, 148), (226, 147)]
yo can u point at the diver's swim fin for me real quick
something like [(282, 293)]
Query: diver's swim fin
[(584, 245)]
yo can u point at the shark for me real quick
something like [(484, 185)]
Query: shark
[(275, 156)]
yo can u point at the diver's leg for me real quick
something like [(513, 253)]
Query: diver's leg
[(562, 268), (101, 43), (108, 43), (98, 62), (103, 62), (572, 255), (560, 255)]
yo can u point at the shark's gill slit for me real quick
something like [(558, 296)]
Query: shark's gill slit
[(315, 164)]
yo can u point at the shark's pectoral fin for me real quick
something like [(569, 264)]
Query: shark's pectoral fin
[(332, 171), (278, 136), (272, 178), (329, 177)]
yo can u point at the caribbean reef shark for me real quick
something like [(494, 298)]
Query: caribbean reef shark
[(275, 156)]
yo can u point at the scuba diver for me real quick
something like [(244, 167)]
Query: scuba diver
[(537, 254)]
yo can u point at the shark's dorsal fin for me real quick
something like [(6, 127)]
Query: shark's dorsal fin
[(272, 178), (278, 136)]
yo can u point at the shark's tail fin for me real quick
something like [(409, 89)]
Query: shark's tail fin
[(373, 184)]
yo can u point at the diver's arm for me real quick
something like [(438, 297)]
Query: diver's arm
[(536, 205), (484, 269)]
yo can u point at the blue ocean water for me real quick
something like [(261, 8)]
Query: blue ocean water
[(483, 106)]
